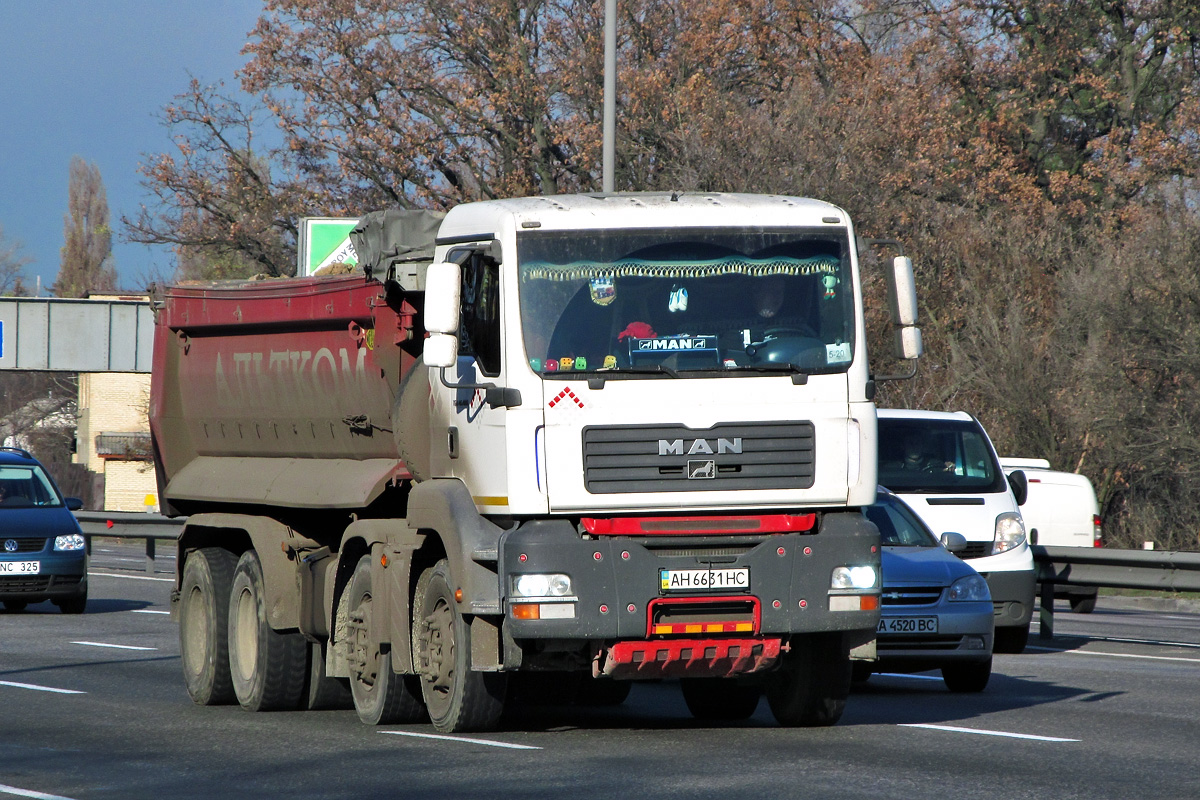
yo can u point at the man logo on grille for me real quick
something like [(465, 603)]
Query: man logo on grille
[(702, 469), (10, 545)]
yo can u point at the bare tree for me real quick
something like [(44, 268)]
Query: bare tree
[(11, 264), (87, 250)]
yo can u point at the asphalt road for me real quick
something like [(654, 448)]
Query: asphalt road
[(93, 706)]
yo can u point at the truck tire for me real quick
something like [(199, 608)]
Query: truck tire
[(967, 677), (810, 688), (268, 668), (381, 697), (719, 698), (597, 692), (1011, 638), (457, 698), (325, 693), (204, 625)]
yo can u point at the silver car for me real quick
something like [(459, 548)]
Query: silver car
[(935, 610)]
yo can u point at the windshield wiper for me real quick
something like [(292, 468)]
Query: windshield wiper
[(798, 373)]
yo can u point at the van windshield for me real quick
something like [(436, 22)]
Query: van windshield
[(937, 457), (24, 486)]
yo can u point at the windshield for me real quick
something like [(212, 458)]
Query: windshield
[(937, 457), (24, 486), (898, 527), (673, 301)]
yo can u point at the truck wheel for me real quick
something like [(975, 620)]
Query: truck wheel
[(268, 667), (381, 697), (1011, 639), (325, 693), (1083, 603), (810, 688), (719, 698), (967, 677), (204, 625), (860, 671), (458, 698)]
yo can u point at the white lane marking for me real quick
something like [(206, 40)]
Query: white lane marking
[(1123, 640), (954, 729), (128, 577), (906, 675), (30, 793), (115, 646), (149, 611), (463, 739), (1115, 655), (37, 688)]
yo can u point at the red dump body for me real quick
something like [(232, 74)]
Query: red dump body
[(278, 392)]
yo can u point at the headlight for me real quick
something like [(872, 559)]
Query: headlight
[(72, 541), (540, 585), (1010, 532), (861, 577), (971, 587)]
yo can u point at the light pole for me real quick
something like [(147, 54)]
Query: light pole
[(610, 95)]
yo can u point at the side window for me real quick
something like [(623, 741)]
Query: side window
[(480, 333)]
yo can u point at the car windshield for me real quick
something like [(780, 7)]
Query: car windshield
[(898, 527), (665, 302), (24, 486), (937, 457)]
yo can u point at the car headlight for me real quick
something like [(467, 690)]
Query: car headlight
[(71, 541), (860, 577), (970, 587), (1010, 532), (541, 585)]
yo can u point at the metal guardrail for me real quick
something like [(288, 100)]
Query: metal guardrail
[(1154, 570), (131, 525)]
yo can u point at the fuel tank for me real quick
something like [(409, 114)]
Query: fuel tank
[(280, 392)]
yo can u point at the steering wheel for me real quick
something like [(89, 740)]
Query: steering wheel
[(782, 333)]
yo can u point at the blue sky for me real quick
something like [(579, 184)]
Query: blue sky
[(88, 78)]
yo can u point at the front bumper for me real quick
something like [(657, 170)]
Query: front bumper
[(618, 603), (61, 575), (1012, 596), (965, 633)]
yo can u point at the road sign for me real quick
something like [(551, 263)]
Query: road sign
[(325, 241)]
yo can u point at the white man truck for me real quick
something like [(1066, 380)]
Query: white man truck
[(608, 437)]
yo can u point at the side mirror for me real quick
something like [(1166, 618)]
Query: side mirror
[(72, 503), (441, 350), (443, 285), (902, 303), (1019, 485), (954, 542)]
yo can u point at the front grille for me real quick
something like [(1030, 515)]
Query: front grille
[(886, 642), (25, 544), (24, 584), (975, 550), (674, 458), (911, 595)]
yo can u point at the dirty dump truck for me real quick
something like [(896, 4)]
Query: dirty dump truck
[(575, 440)]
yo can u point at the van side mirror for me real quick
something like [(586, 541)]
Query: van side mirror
[(954, 542), (72, 503), (1019, 485)]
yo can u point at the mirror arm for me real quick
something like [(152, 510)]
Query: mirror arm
[(495, 396), (903, 377)]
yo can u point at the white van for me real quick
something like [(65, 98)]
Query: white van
[(1061, 510), (944, 467)]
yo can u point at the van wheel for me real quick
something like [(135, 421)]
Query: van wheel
[(381, 697), (1083, 604), (75, 604), (204, 625), (1011, 639), (268, 668), (457, 697), (719, 698), (811, 687), (967, 677), (15, 605)]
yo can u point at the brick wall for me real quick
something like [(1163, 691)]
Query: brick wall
[(126, 484)]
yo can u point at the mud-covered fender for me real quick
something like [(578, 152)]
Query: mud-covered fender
[(392, 544), (278, 548), (471, 542)]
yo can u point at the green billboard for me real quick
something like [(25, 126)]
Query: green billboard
[(325, 241)]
